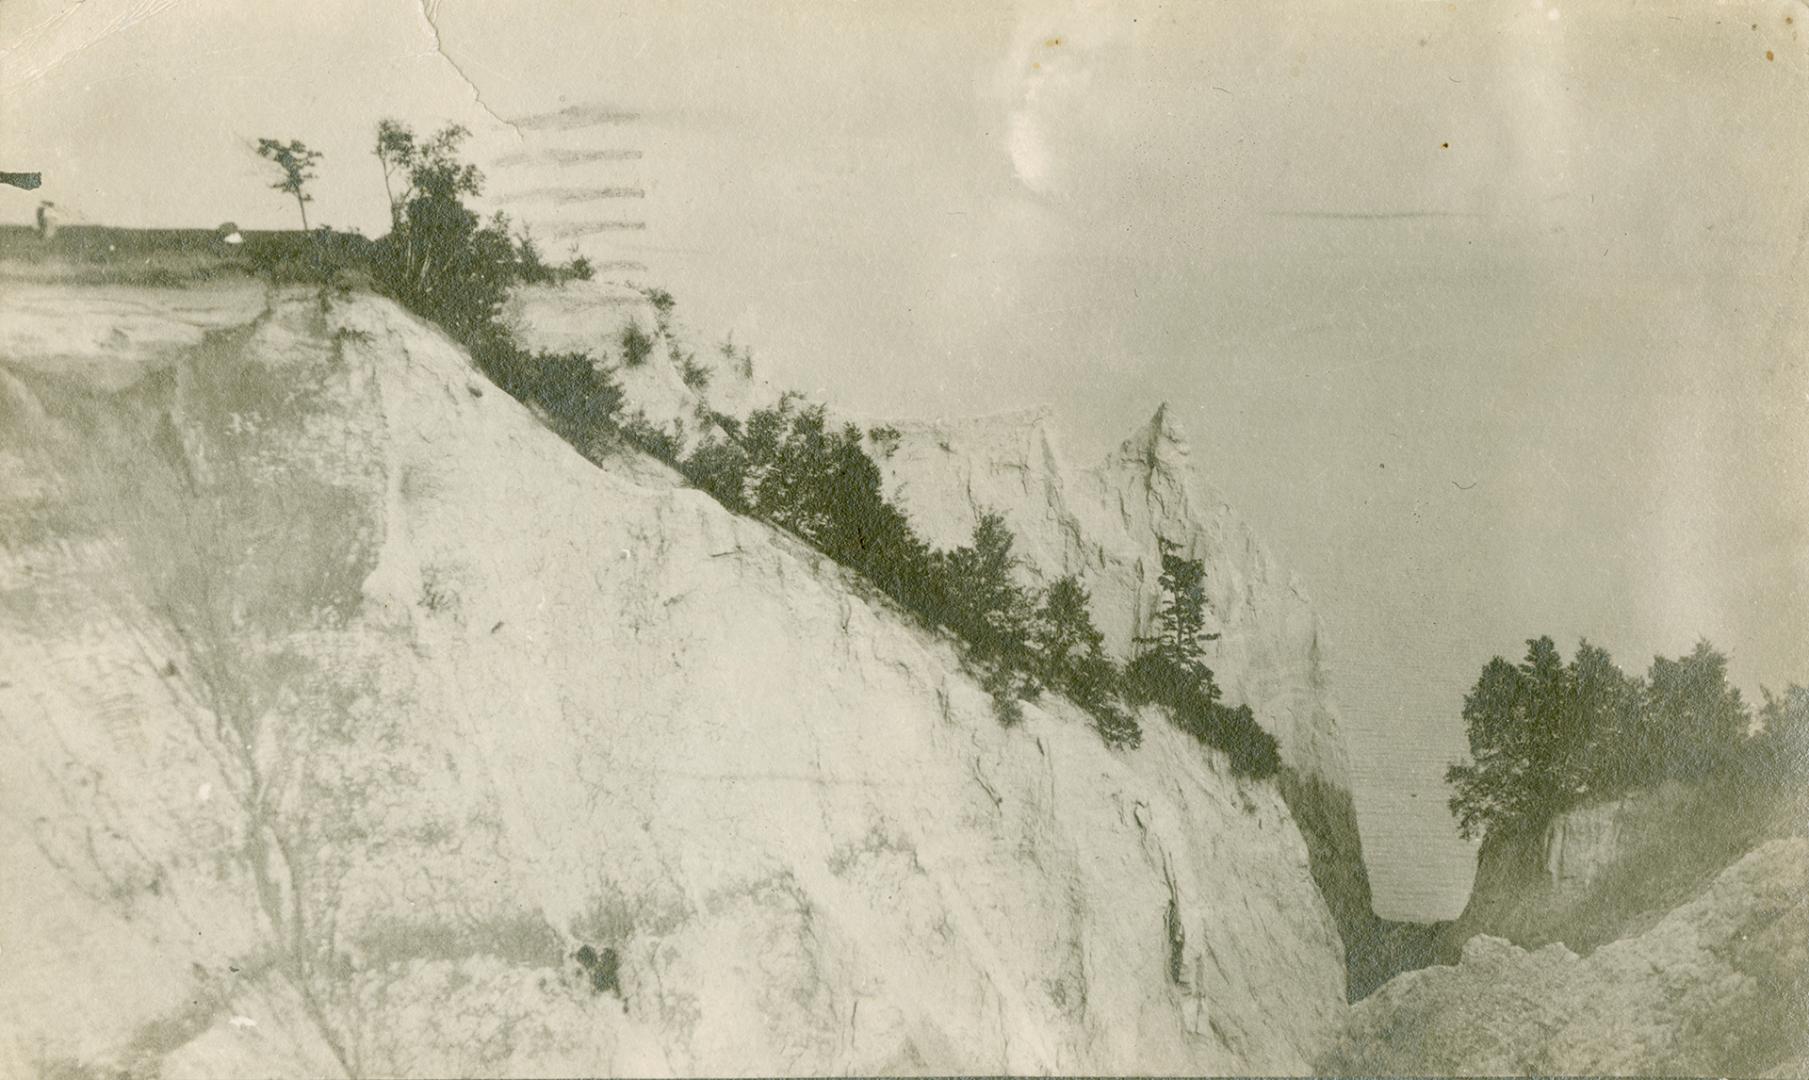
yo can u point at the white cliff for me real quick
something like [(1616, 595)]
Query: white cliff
[(1582, 845), (1102, 525), (345, 706)]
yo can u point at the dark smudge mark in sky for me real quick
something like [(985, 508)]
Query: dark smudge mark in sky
[(566, 195), (574, 117), (576, 229), (564, 156)]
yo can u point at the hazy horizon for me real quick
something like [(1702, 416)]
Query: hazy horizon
[(1488, 319)]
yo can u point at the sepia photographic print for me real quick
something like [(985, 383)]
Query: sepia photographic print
[(872, 537)]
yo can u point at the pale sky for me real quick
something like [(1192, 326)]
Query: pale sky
[(1488, 317)]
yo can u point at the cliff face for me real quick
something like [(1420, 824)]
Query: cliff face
[(1100, 524), (1103, 525), (1718, 986), (1613, 869), (357, 725)]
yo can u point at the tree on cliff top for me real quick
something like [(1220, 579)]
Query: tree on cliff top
[(1545, 736), (297, 163), (440, 258)]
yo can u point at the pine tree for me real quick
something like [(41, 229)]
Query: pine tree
[(1182, 616), (1172, 667), (297, 163), (1171, 671)]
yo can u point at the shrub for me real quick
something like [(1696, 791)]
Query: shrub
[(662, 307), (719, 469), (1008, 693), (695, 375), (1116, 725), (729, 424), (575, 391), (322, 257), (742, 358), (440, 259), (637, 346), (886, 438), (603, 968), (985, 604), (1253, 751), (643, 434), (529, 266), (532, 269)]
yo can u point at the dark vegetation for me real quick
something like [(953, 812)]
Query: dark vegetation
[(533, 269), (790, 466), (1546, 735), (297, 164), (1170, 672), (602, 967), (637, 345), (787, 464)]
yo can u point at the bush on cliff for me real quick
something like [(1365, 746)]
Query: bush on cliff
[(448, 265), (1171, 672), (786, 464), (1546, 736), (1070, 655)]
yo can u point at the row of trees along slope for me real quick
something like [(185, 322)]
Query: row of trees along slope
[(787, 465), (1664, 780)]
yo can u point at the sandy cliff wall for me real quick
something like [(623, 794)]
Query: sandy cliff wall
[(1101, 524), (356, 725), (1613, 869)]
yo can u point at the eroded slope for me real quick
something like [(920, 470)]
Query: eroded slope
[(348, 707)]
